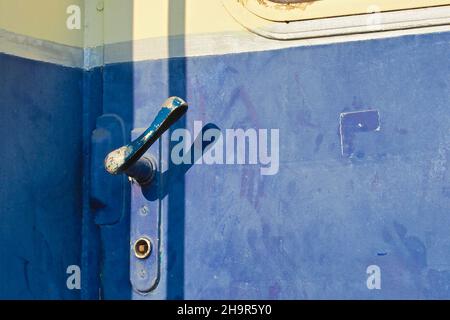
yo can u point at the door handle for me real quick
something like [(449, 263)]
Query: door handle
[(129, 159)]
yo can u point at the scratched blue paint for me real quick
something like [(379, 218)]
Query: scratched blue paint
[(312, 230), (120, 160), (40, 178), (145, 273), (91, 255), (308, 232)]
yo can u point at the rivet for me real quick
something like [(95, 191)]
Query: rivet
[(142, 273)]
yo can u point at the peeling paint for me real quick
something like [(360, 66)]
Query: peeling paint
[(280, 4), (355, 122), (116, 159), (124, 157)]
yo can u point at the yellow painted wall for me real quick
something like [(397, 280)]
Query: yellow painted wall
[(330, 8), (112, 21), (202, 16), (140, 19), (41, 19)]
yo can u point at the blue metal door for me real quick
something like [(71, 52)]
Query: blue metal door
[(313, 182)]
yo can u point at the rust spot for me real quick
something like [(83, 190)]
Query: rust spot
[(287, 4), (291, 1)]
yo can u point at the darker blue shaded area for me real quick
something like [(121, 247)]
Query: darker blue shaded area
[(40, 178)]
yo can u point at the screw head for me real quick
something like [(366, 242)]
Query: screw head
[(142, 273), (144, 210)]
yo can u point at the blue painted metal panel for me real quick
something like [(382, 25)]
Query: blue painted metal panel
[(40, 178), (145, 217), (363, 174), (91, 256), (312, 229)]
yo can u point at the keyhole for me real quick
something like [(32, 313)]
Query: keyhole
[(142, 248)]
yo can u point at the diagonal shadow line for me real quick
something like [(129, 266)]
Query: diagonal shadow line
[(161, 186)]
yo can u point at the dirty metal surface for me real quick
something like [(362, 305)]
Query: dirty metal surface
[(314, 228)]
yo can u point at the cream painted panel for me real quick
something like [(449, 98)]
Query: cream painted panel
[(142, 19), (41, 19), (329, 8)]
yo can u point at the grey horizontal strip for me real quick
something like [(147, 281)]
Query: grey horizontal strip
[(357, 24), (300, 33), (41, 50)]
